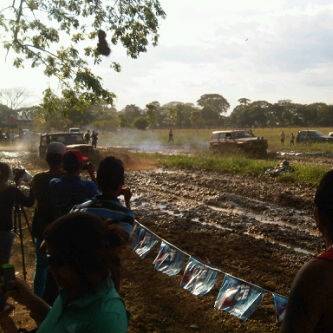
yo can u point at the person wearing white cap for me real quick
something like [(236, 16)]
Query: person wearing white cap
[(43, 211)]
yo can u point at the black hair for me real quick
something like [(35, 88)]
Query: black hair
[(53, 159), (70, 162), (324, 200), (110, 174), (88, 244), (4, 172)]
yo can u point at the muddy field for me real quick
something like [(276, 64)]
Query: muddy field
[(255, 229)]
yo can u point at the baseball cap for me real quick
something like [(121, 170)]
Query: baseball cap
[(75, 154), (56, 148)]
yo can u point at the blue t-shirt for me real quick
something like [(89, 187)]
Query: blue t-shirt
[(109, 209), (68, 191)]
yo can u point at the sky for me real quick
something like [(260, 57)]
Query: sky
[(258, 49)]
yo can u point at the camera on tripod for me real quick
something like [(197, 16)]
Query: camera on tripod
[(21, 175)]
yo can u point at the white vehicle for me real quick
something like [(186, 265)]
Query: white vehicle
[(74, 130)]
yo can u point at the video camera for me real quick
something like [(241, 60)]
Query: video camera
[(7, 282), (21, 175)]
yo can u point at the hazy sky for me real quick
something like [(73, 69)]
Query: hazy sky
[(259, 49)]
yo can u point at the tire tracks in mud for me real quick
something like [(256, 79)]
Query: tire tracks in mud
[(241, 235)]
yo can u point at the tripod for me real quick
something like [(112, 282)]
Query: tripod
[(18, 230)]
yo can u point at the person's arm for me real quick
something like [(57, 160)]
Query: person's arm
[(306, 301), (92, 172), (24, 295), (126, 192), (6, 322)]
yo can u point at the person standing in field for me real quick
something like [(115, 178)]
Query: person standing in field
[(170, 136), (282, 137), (310, 304), (87, 137), (94, 139), (292, 139)]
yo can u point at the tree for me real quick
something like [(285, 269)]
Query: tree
[(141, 123), (13, 98), (213, 106), (215, 103), (153, 112), (73, 109), (244, 101), (129, 114), (60, 36)]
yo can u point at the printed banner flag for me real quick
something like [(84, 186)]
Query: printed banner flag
[(169, 260), (143, 241), (198, 278), (238, 297), (280, 303)]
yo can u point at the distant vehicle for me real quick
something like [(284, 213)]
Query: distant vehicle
[(238, 141), (312, 136), (24, 134), (70, 140), (74, 130)]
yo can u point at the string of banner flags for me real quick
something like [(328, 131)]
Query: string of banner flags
[(236, 296)]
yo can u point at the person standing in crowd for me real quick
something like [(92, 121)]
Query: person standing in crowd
[(94, 139), (110, 180), (70, 189), (310, 304), (84, 256), (292, 139), (282, 137), (43, 211), (66, 192), (170, 135), (87, 137), (10, 196)]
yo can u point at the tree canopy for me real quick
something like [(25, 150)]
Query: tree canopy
[(65, 37)]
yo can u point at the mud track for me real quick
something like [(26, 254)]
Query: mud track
[(262, 232), (257, 229)]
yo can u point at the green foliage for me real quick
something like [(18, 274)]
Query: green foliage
[(309, 173), (282, 113), (213, 106), (129, 114), (61, 36), (141, 123), (74, 109)]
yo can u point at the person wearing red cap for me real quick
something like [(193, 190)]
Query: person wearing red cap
[(66, 192), (70, 189)]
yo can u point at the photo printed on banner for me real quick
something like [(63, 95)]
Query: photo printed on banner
[(144, 241), (169, 260), (198, 278), (280, 304), (238, 297)]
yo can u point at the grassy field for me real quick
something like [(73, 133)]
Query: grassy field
[(309, 173), (198, 139)]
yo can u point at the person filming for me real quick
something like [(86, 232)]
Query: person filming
[(10, 196)]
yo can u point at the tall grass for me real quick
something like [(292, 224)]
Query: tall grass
[(309, 173)]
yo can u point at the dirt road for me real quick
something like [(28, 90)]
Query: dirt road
[(255, 229)]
